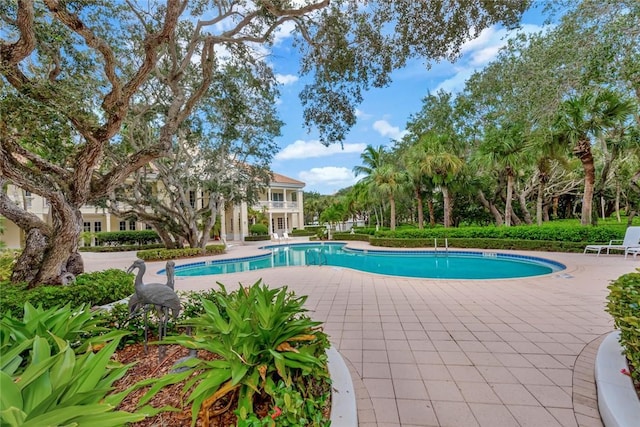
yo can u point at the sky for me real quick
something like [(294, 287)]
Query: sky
[(383, 114)]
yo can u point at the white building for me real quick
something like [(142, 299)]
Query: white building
[(281, 201)]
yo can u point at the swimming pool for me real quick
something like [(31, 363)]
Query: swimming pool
[(424, 264)]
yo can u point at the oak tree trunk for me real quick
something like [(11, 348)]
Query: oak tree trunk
[(497, 216)]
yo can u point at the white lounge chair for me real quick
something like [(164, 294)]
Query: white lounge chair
[(285, 237), (275, 238), (631, 240), (634, 251)]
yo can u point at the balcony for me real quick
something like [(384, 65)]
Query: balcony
[(277, 206)]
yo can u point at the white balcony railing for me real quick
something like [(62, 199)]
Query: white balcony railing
[(274, 206)]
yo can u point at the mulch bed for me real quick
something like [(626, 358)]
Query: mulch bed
[(148, 366)]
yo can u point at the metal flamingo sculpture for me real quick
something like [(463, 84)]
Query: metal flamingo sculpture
[(156, 294)]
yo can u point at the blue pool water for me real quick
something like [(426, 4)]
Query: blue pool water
[(425, 264)]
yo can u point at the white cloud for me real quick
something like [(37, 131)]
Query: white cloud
[(362, 115), (328, 176), (479, 52), (310, 149), (283, 32), (384, 128), (286, 79)]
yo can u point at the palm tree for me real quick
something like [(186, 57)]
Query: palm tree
[(502, 148), (441, 166), (413, 160), (372, 160), (387, 180), (582, 118)]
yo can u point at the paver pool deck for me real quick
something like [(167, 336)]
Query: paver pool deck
[(459, 353)]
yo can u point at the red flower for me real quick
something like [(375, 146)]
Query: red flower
[(623, 371), (276, 413)]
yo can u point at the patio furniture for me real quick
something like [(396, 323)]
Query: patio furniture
[(631, 240), (634, 251)]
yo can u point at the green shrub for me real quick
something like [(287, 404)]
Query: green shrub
[(165, 254), (44, 381), (119, 238), (120, 248), (97, 288), (257, 238), (259, 229), (367, 230), (624, 307), (79, 326), (7, 260), (303, 232), (313, 228), (480, 243), (263, 339), (556, 232), (349, 236)]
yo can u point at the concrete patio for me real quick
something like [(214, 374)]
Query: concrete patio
[(460, 353)]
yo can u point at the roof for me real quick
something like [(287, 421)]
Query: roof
[(277, 178)]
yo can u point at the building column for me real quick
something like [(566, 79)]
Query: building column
[(300, 210), (107, 218), (223, 219), (244, 220), (270, 223), (235, 222)]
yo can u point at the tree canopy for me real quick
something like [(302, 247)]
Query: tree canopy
[(75, 72)]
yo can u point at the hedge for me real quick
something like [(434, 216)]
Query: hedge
[(349, 236), (513, 244), (97, 288), (303, 232), (257, 238), (624, 306), (118, 238), (122, 248), (165, 254), (561, 233)]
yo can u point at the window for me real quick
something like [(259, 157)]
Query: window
[(294, 197), (27, 193), (97, 226), (86, 226), (192, 198), (148, 227), (277, 197), (122, 225), (280, 223), (132, 225)]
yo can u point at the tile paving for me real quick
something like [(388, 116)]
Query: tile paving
[(425, 352)]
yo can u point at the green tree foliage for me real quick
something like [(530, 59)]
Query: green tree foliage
[(70, 83)]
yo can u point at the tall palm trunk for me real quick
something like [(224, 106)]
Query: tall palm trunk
[(583, 151), (392, 208), (432, 212), (446, 198), (543, 178), (507, 206), (420, 208)]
